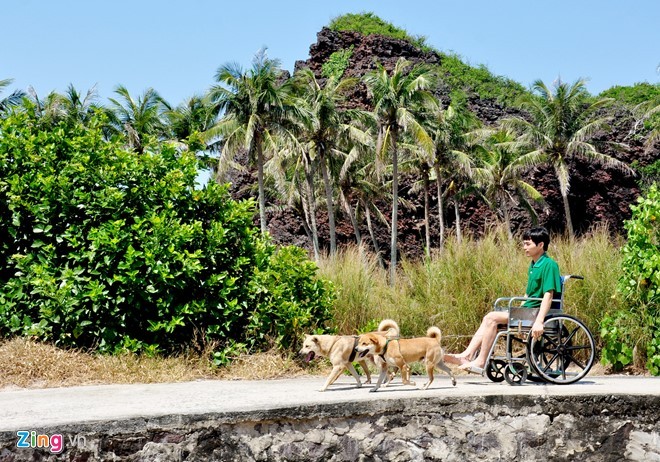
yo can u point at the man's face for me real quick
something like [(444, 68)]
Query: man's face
[(531, 249)]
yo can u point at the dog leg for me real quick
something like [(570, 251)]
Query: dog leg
[(429, 371), (365, 368), (332, 377), (381, 377), (354, 373), (405, 374), (443, 366)]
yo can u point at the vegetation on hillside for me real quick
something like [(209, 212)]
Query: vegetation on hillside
[(369, 23), (479, 81), (633, 95), (456, 74)]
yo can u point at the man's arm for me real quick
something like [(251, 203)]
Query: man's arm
[(546, 303)]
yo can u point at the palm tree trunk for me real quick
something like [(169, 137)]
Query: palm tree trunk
[(427, 227), (563, 188), (311, 209), (458, 221), (262, 194), (507, 218), (441, 215), (395, 207), (349, 211), (329, 205), (567, 212)]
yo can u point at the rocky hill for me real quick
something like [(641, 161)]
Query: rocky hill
[(598, 195)]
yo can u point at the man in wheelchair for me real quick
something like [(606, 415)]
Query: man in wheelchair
[(544, 282)]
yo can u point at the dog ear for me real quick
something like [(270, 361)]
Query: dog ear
[(315, 339)]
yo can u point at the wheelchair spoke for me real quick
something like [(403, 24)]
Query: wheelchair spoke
[(564, 353)]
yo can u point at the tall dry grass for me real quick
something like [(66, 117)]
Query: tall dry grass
[(456, 286)]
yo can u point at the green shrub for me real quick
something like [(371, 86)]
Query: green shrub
[(633, 95), (462, 77), (337, 64), (637, 324), (289, 300), (614, 327), (104, 248), (640, 283)]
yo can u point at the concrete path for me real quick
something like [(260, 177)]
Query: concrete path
[(30, 409)]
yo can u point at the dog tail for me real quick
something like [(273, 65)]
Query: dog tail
[(435, 333), (390, 326)]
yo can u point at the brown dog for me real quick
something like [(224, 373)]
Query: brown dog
[(340, 350), (400, 352)]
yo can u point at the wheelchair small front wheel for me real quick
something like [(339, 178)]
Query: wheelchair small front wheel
[(564, 353), (495, 370), (515, 373)]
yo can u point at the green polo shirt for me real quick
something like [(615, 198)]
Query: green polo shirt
[(543, 277)]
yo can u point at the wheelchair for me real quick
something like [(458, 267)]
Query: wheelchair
[(564, 353)]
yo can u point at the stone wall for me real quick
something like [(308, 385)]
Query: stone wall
[(490, 428)]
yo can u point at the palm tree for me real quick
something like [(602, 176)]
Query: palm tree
[(361, 178), (645, 112), (324, 130), (13, 99), (562, 126), (450, 129), (292, 170), (139, 120), (48, 110), (254, 105), (397, 98), (499, 177), (78, 108), (189, 119)]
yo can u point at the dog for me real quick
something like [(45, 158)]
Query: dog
[(340, 350), (400, 352)]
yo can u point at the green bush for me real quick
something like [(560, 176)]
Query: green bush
[(104, 248), (639, 284), (478, 80), (337, 64), (289, 300), (633, 95)]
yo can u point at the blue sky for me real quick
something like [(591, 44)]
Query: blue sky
[(176, 46)]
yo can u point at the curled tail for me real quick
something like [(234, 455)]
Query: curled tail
[(390, 326), (434, 332)]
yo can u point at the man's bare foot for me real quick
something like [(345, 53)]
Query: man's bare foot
[(472, 366), (458, 359)]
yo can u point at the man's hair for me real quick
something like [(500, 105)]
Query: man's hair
[(538, 235)]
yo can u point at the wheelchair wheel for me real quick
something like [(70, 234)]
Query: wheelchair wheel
[(495, 370), (515, 373), (564, 353)]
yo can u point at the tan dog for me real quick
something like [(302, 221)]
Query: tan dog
[(340, 350), (400, 352)]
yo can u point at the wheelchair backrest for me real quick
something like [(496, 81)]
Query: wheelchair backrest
[(558, 304)]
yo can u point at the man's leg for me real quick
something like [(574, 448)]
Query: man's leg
[(490, 323)]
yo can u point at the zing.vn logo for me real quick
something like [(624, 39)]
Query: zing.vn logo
[(27, 439)]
